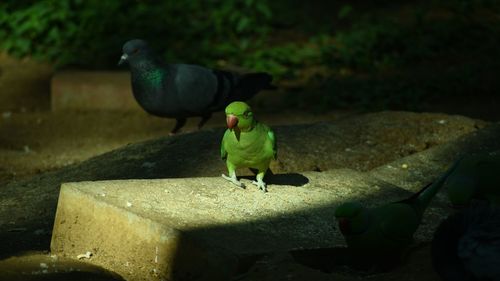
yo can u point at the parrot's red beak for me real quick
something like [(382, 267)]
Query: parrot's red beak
[(231, 121)]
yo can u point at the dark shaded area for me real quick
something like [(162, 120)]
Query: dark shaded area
[(341, 259), (292, 179), (325, 259), (41, 267), (363, 55), (466, 244), (74, 276)]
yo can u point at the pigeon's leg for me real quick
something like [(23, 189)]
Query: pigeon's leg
[(260, 181), (204, 120), (179, 123), (232, 175)]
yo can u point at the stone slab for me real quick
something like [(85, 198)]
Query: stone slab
[(169, 229), (173, 228), (413, 171), (92, 90), (358, 142)]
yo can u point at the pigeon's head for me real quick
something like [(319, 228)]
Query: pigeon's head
[(133, 50), (351, 217), (239, 116), (460, 189)]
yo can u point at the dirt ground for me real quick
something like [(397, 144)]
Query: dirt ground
[(35, 142)]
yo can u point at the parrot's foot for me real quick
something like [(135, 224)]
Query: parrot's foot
[(234, 181), (261, 185)]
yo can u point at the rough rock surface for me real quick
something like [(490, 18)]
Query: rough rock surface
[(136, 228), (215, 223), (361, 143)]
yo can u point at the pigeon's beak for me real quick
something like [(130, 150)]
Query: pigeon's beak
[(123, 59), (231, 121)]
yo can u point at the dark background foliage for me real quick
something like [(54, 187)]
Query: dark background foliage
[(325, 54)]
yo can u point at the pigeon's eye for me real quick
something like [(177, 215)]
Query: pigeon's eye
[(135, 51)]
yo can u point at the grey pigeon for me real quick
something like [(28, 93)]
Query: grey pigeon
[(183, 90), (466, 246)]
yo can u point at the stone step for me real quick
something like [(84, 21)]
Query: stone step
[(202, 228), (92, 90), (170, 229)]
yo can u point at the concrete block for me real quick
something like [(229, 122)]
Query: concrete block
[(92, 90), (201, 228)]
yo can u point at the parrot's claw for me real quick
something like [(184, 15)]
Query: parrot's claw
[(234, 181), (261, 185)]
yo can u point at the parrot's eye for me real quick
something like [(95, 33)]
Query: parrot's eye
[(247, 114)]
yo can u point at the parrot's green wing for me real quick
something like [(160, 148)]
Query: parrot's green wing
[(398, 223), (223, 152), (270, 135), (476, 177), (386, 230)]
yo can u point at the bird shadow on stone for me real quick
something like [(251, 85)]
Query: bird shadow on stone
[(341, 259), (292, 179), (322, 259)]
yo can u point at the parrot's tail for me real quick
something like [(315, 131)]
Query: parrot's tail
[(232, 86), (258, 80), (422, 199)]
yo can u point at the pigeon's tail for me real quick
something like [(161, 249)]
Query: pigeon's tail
[(259, 80), (250, 84)]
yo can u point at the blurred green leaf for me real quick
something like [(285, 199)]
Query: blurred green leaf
[(96, 29), (344, 11)]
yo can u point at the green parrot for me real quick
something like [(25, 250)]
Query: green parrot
[(385, 232), (476, 177), (247, 143)]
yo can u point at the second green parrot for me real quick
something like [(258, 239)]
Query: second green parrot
[(383, 233), (476, 177), (247, 143)]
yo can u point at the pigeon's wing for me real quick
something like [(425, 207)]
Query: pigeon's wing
[(196, 88)]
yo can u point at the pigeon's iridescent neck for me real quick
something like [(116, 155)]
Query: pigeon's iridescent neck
[(150, 72), (155, 76)]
